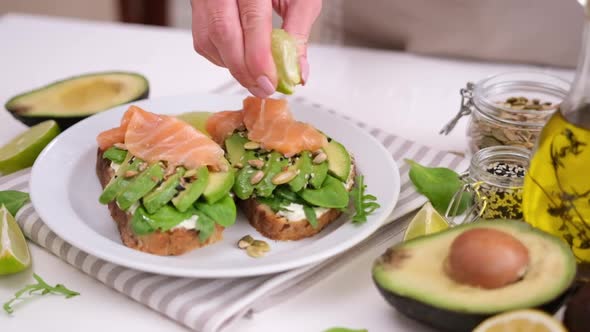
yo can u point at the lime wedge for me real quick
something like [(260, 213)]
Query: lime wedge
[(14, 252), (426, 221), (22, 151), (196, 119), (284, 54), (529, 320)]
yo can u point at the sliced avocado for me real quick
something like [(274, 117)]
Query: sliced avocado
[(274, 164), (242, 186), (73, 99), (234, 145), (119, 182), (223, 211), (339, 160), (115, 155), (192, 190), (140, 185), (332, 194), (411, 276), (197, 120), (218, 186), (163, 193), (303, 166), (319, 172)]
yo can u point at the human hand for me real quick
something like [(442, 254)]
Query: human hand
[(236, 34)]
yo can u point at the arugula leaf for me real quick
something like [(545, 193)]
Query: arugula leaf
[(344, 329), (205, 225), (364, 204), (438, 184), (310, 215), (40, 288), (275, 203), (13, 200)]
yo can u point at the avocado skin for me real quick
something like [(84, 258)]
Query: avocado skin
[(66, 122), (453, 321)]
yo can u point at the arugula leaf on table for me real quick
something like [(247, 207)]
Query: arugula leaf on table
[(13, 200), (364, 204), (40, 288), (439, 185)]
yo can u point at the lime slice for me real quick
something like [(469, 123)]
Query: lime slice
[(521, 320), (426, 221), (284, 53), (22, 151), (14, 252), (196, 119)]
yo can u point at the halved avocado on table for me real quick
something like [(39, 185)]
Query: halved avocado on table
[(413, 277), (73, 99)]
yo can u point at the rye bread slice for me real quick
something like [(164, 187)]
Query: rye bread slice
[(169, 243)]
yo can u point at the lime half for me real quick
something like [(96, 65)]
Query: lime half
[(22, 151), (196, 119), (528, 320), (426, 221), (284, 54), (14, 252)]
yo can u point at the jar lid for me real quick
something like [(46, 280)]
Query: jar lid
[(491, 95)]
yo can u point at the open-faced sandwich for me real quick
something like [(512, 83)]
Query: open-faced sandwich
[(292, 180), (167, 185)]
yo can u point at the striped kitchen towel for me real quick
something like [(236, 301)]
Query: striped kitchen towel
[(209, 305)]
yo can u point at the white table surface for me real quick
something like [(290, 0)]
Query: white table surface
[(409, 95)]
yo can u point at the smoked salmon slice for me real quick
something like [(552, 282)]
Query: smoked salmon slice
[(270, 123), (154, 137)]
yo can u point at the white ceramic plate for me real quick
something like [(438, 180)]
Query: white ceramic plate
[(64, 190)]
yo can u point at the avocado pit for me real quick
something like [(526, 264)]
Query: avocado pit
[(487, 258)]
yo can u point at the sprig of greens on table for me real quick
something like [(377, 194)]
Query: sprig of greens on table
[(13, 201), (40, 288), (439, 185)]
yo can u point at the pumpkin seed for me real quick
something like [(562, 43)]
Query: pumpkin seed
[(129, 174), (284, 177), (257, 163), (256, 177), (245, 242), (254, 252), (251, 145), (320, 158), (261, 245)]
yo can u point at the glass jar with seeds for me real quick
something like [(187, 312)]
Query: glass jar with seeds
[(495, 181), (508, 109)]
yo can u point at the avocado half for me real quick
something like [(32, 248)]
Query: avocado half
[(73, 99), (411, 277)]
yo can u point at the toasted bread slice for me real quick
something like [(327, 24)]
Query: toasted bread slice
[(277, 227), (172, 242)]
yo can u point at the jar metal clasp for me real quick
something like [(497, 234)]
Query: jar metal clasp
[(465, 108), (474, 211)]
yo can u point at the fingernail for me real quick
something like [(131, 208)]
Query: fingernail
[(256, 91), (265, 85), (304, 70)]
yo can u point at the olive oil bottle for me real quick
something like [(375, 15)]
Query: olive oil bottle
[(556, 196)]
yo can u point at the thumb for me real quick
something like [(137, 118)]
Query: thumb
[(298, 18)]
